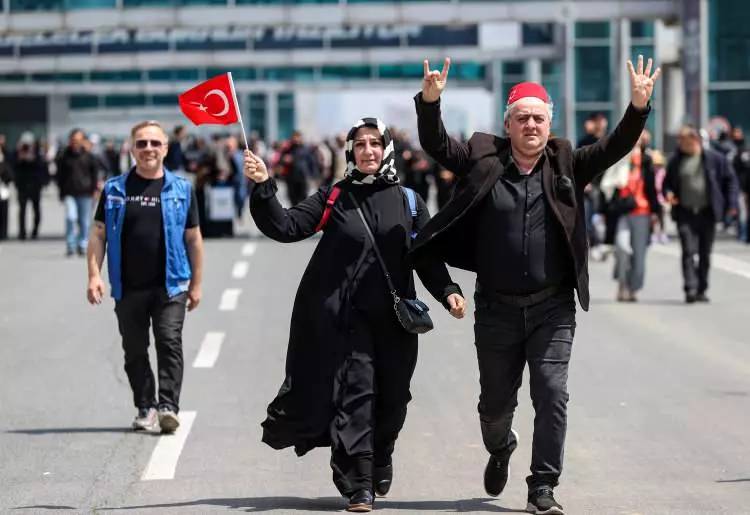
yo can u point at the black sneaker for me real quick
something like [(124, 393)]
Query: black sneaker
[(690, 297), (360, 502), (701, 297), (382, 477), (542, 502), (497, 469)]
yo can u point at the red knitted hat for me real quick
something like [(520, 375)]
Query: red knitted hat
[(526, 90)]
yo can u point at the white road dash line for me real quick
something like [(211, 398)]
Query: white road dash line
[(239, 271), (248, 249), (209, 350), (164, 458), (229, 299)]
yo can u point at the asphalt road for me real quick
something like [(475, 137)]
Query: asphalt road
[(658, 415)]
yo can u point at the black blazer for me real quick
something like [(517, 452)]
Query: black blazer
[(450, 235)]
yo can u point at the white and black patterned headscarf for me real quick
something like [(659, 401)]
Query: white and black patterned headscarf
[(387, 172)]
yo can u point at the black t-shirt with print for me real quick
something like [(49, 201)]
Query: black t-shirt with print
[(143, 249)]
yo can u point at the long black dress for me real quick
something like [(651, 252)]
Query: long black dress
[(349, 362)]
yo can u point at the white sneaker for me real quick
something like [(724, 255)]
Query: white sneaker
[(145, 419)]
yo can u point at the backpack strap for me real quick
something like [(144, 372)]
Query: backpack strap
[(330, 201), (411, 197)]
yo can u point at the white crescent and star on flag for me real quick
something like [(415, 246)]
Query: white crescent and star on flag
[(219, 93)]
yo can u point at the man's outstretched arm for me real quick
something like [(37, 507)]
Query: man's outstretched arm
[(433, 138), (592, 160)]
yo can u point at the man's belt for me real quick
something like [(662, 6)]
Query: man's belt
[(520, 301)]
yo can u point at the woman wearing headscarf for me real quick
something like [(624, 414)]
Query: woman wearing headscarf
[(349, 361)]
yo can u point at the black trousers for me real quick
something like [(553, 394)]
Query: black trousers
[(371, 391), (697, 232), (135, 312), (3, 219), (24, 197), (508, 337)]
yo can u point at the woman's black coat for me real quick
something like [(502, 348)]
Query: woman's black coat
[(343, 275)]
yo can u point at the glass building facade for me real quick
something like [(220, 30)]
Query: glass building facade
[(593, 51), (729, 61), (580, 61), (52, 5), (257, 106)]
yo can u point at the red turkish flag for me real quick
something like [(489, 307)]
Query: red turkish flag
[(212, 101)]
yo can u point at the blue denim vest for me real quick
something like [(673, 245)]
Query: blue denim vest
[(175, 202)]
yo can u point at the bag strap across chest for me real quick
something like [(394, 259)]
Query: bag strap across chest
[(330, 201), (411, 198)]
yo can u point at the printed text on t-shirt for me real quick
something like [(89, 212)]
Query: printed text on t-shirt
[(144, 200)]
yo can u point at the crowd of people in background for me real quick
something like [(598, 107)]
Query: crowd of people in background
[(626, 208), (214, 164)]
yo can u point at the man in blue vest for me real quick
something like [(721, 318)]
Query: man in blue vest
[(147, 221)]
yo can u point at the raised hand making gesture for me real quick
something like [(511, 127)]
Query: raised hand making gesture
[(434, 81), (642, 82)]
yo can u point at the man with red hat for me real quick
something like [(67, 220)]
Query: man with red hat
[(517, 220)]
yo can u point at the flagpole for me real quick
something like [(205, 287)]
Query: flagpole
[(237, 110)]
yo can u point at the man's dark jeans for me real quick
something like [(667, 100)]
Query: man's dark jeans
[(135, 312), (697, 232), (507, 337)]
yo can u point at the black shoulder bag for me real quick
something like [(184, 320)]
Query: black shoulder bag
[(411, 313)]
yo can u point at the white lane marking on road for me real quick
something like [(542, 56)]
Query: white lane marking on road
[(229, 299), (248, 249), (164, 458), (720, 261), (209, 350), (239, 271)]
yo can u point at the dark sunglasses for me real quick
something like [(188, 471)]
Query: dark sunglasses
[(140, 144)]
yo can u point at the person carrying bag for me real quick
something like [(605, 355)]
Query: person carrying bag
[(350, 358)]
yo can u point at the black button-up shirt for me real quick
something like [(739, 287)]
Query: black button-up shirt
[(521, 247)]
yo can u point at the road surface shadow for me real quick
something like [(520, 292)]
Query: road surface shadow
[(742, 480), (641, 302), (76, 430), (252, 504), (44, 507), (332, 504), (458, 506)]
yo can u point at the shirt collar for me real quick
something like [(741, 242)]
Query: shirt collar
[(511, 166)]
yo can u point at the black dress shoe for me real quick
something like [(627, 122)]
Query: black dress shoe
[(701, 297), (496, 471), (360, 502), (690, 298), (382, 477)]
